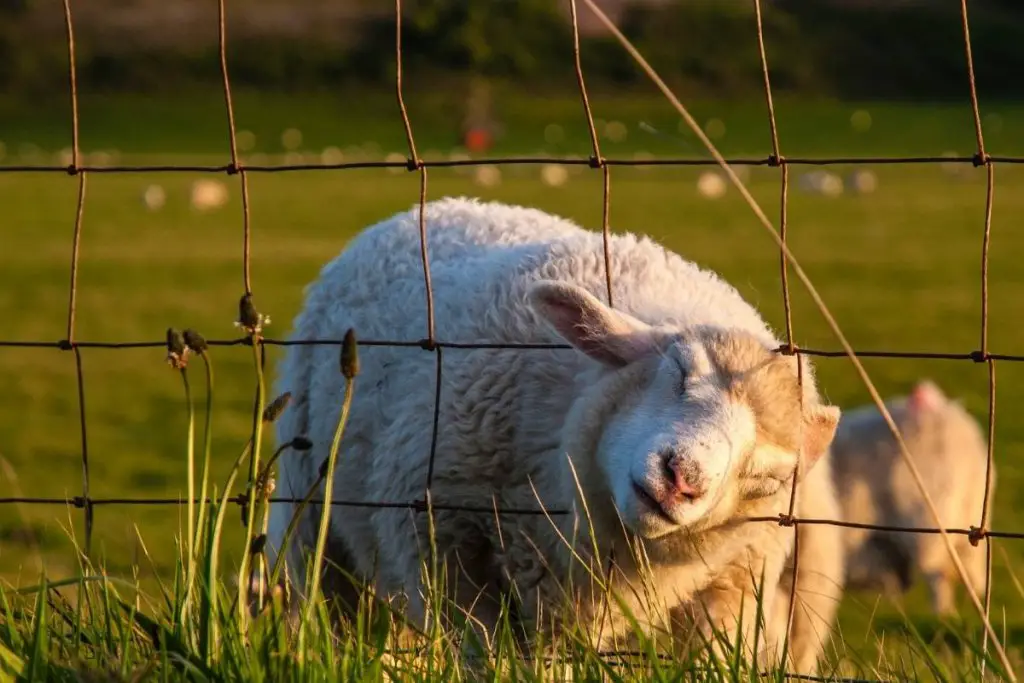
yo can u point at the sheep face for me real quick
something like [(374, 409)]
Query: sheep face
[(669, 457), (696, 420)]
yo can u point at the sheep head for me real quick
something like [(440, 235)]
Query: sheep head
[(687, 423)]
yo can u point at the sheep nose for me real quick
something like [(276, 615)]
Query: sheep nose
[(682, 480)]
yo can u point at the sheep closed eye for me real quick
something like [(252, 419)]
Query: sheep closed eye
[(761, 487)]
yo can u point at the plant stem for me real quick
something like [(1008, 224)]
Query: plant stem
[(262, 479), (244, 568), (325, 509), (190, 504), (191, 459), (262, 568), (201, 520), (213, 552), (207, 446), (264, 474), (292, 525)]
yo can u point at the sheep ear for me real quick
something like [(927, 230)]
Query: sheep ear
[(925, 396), (820, 422), (606, 335)]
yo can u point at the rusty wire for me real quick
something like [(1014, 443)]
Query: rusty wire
[(981, 158), (66, 345), (432, 344), (766, 161), (778, 160)]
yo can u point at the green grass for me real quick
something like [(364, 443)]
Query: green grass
[(190, 629), (899, 268)]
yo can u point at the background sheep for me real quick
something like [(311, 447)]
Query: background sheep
[(672, 410), (876, 487)]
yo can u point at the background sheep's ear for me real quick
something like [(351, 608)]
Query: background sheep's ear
[(604, 334), (820, 422), (925, 396)]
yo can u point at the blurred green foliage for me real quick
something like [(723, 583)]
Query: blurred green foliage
[(903, 51)]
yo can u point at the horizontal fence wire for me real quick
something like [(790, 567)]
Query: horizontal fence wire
[(434, 341), (421, 506), (430, 345), (416, 165)]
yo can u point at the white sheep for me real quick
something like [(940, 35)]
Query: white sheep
[(671, 408), (877, 487)]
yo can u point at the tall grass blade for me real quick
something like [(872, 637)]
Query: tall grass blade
[(36, 668)]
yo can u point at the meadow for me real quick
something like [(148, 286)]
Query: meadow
[(899, 268)]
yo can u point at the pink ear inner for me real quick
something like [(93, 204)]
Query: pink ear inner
[(576, 324), (819, 429), (584, 322)]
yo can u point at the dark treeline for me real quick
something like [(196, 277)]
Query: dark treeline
[(909, 50)]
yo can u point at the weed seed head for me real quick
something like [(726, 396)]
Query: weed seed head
[(249, 319), (274, 410), (177, 352), (195, 341), (349, 355)]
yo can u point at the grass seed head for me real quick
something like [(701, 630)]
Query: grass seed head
[(349, 355), (177, 352), (274, 410), (194, 341), (249, 319)]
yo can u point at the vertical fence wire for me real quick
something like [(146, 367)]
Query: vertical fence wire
[(981, 158), (235, 166), (430, 342), (596, 159), (69, 343), (778, 160)]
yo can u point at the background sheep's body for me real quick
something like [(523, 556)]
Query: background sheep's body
[(501, 411), (877, 487)]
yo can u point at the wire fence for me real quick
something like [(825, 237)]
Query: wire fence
[(430, 343)]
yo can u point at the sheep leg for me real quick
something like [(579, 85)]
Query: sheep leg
[(940, 588), (713, 617), (817, 600), (819, 590), (707, 624), (936, 568), (975, 562), (339, 582), (476, 599), (461, 594)]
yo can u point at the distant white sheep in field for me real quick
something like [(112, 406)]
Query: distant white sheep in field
[(676, 416), (208, 194), (877, 487)]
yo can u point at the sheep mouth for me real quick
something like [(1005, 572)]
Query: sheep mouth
[(651, 502)]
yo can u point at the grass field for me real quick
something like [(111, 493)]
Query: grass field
[(899, 268)]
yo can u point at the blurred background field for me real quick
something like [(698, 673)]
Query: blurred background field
[(894, 250)]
